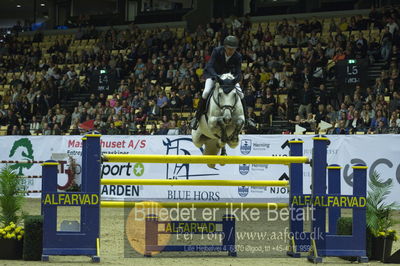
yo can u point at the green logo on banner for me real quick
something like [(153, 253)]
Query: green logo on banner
[(25, 146), (138, 169)]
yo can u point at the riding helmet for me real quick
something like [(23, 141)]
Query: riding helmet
[(231, 42)]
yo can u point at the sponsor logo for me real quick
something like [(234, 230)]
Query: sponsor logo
[(138, 169), (245, 146), (122, 169), (261, 146), (244, 169), (121, 190), (25, 146), (180, 146), (243, 191), (202, 195), (259, 167)]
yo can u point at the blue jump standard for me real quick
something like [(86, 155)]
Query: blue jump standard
[(85, 241)]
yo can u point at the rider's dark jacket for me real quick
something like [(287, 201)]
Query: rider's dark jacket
[(218, 65)]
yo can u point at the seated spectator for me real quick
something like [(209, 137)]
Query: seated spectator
[(394, 128), (15, 130), (112, 130), (173, 128), (343, 25), (310, 121), (46, 129), (358, 104), (163, 129), (321, 114), (34, 126), (269, 101), (162, 102), (332, 25), (357, 123), (298, 121), (56, 130), (153, 110), (153, 128), (394, 103), (140, 116), (367, 111), (184, 128), (174, 101), (373, 51), (283, 109), (379, 117), (381, 128), (75, 130), (321, 95), (339, 55), (350, 112), (331, 114), (142, 130), (341, 128), (394, 119), (252, 115)]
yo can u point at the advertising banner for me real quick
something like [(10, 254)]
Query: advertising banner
[(379, 152)]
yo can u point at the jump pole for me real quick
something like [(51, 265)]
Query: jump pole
[(221, 205), (223, 183), (202, 159)]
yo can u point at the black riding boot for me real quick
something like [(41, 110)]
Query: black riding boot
[(248, 122), (200, 110)]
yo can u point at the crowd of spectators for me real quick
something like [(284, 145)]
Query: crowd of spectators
[(157, 58)]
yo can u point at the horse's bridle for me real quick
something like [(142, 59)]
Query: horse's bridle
[(224, 107)]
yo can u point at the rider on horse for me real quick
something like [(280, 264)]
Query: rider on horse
[(224, 59)]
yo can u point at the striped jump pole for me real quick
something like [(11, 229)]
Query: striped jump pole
[(31, 162), (164, 182), (202, 159)]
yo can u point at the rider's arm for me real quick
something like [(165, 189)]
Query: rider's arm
[(211, 62), (238, 70)]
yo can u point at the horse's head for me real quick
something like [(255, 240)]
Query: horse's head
[(227, 97)]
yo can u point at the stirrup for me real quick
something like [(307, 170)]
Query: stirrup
[(194, 124), (250, 123)]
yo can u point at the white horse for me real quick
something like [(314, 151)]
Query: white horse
[(223, 120)]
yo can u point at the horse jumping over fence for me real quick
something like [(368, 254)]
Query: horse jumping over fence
[(223, 120)]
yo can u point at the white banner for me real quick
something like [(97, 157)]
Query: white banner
[(379, 152)]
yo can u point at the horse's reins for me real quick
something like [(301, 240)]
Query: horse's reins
[(223, 107)]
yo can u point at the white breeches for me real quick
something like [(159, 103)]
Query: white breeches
[(210, 84)]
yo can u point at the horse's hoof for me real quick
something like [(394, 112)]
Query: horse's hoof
[(211, 166)]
